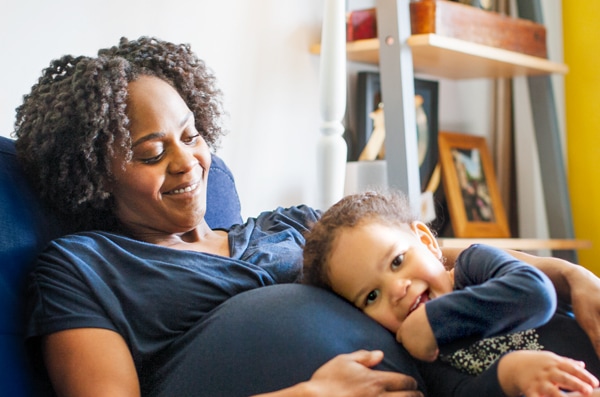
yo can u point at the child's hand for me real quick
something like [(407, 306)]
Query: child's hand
[(417, 337), (542, 373), (595, 393)]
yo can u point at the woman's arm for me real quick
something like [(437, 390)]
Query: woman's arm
[(350, 375), (96, 362), (573, 283), (90, 362)]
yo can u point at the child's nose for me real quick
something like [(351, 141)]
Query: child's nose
[(398, 289)]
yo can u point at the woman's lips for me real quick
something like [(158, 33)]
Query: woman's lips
[(186, 189)]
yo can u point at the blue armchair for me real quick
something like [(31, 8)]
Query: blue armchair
[(25, 228)]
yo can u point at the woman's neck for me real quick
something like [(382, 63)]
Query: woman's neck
[(200, 239)]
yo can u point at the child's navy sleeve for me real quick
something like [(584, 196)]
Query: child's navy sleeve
[(494, 294)]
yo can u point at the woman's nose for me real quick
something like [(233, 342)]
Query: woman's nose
[(182, 160)]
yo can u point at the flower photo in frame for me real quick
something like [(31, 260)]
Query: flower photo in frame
[(426, 108), (474, 203)]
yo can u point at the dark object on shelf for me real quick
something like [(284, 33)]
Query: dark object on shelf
[(368, 98)]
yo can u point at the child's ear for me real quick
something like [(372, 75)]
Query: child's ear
[(425, 235)]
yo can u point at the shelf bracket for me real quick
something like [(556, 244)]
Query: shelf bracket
[(395, 59), (547, 135)]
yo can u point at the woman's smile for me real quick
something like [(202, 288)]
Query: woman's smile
[(181, 190)]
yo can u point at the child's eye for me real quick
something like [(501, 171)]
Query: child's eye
[(372, 297), (397, 262)]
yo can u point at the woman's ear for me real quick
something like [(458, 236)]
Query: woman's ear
[(425, 235)]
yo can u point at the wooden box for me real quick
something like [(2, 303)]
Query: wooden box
[(461, 21)]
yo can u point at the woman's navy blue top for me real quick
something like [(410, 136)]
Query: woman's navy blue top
[(153, 295)]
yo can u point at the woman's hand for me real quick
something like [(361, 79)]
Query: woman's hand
[(417, 337), (350, 375), (543, 374)]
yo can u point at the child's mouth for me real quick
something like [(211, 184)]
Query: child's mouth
[(421, 299)]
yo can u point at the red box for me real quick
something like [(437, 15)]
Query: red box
[(361, 24)]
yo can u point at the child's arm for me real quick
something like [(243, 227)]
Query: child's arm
[(521, 296), (573, 283), (543, 373), (417, 337)]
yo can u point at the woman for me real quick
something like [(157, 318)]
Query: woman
[(120, 143), (154, 302)]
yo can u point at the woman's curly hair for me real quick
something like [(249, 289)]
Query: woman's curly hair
[(75, 119), (391, 207)]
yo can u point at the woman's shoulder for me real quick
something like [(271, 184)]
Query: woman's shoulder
[(91, 239), (93, 247), (300, 217)]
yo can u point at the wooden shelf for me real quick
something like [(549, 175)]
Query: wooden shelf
[(520, 244), (457, 59)]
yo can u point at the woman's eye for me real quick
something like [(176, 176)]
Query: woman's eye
[(192, 139), (397, 262), (151, 159), (372, 297)]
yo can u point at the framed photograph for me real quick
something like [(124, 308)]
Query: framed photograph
[(426, 108), (474, 203)]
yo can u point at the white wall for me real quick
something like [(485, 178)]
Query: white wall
[(258, 50)]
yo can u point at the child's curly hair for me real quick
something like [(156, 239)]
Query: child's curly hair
[(389, 207), (74, 120)]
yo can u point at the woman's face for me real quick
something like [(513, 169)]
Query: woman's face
[(387, 271), (162, 189)]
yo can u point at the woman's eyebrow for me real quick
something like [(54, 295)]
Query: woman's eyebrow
[(149, 137), (158, 135), (185, 119)]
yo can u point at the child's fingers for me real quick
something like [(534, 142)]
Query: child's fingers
[(578, 370), (573, 376), (595, 393)]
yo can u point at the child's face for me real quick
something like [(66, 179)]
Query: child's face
[(388, 271)]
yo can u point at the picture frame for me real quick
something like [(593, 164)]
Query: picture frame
[(368, 89), (474, 203)]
